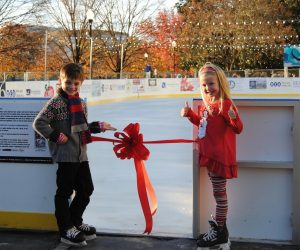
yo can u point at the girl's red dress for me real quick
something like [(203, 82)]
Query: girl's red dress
[(217, 150)]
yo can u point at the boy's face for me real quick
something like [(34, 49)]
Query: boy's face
[(70, 86)]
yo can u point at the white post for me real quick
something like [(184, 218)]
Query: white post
[(121, 64), (46, 46), (90, 16), (286, 72), (91, 57)]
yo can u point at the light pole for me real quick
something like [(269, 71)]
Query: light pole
[(146, 67), (146, 56), (46, 46), (90, 16), (174, 45), (121, 63)]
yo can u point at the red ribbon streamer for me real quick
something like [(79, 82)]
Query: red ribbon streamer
[(130, 144)]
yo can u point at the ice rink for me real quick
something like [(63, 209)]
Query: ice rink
[(115, 206)]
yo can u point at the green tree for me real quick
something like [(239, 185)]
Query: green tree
[(294, 7), (235, 34)]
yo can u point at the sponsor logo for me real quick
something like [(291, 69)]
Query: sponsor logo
[(136, 82), (152, 83), (3, 89), (11, 93), (275, 84), (231, 84), (258, 84), (296, 84), (279, 84)]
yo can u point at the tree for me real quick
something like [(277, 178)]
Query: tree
[(233, 35), (294, 7), (158, 34), (17, 10), (19, 48), (119, 46), (114, 31), (14, 41), (69, 16)]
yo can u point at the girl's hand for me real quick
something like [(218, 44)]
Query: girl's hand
[(106, 126), (62, 139), (185, 109), (231, 113)]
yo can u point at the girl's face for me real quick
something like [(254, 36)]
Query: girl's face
[(71, 86), (210, 87)]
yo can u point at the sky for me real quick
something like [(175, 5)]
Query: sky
[(167, 4), (170, 3)]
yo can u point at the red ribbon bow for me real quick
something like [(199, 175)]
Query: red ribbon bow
[(130, 144), (132, 147)]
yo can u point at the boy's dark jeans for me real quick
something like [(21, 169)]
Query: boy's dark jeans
[(72, 176)]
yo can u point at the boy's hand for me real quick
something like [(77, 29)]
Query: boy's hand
[(185, 109), (106, 126), (62, 139), (231, 113)]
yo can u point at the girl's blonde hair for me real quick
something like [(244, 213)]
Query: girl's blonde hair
[(210, 68)]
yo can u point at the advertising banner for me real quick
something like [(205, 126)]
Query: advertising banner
[(291, 56)]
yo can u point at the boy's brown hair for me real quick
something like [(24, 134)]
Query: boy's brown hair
[(73, 71)]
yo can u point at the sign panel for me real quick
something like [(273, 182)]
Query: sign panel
[(18, 141), (292, 57)]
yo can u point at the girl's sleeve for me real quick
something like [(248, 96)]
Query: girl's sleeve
[(41, 123), (236, 124), (193, 117)]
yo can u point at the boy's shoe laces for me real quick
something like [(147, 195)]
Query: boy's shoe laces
[(84, 227)]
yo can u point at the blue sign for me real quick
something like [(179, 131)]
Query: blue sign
[(291, 57)]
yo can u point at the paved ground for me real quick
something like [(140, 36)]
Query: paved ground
[(12, 240)]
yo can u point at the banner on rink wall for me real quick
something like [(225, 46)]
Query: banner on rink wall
[(18, 141), (114, 89)]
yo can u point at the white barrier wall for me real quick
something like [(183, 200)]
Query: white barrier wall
[(264, 199), (268, 163), (95, 91)]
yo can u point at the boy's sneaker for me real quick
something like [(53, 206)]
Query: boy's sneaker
[(73, 237), (89, 231), (216, 236)]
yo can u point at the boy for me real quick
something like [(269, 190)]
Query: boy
[(63, 122)]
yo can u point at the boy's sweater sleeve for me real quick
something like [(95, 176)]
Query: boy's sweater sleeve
[(41, 124), (95, 127), (193, 117)]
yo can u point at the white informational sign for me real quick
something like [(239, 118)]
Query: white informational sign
[(18, 141)]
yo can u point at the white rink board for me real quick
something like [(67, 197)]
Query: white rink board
[(115, 206), (261, 198)]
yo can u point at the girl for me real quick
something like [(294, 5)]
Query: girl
[(218, 123)]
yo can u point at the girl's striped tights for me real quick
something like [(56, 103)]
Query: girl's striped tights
[(220, 194)]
